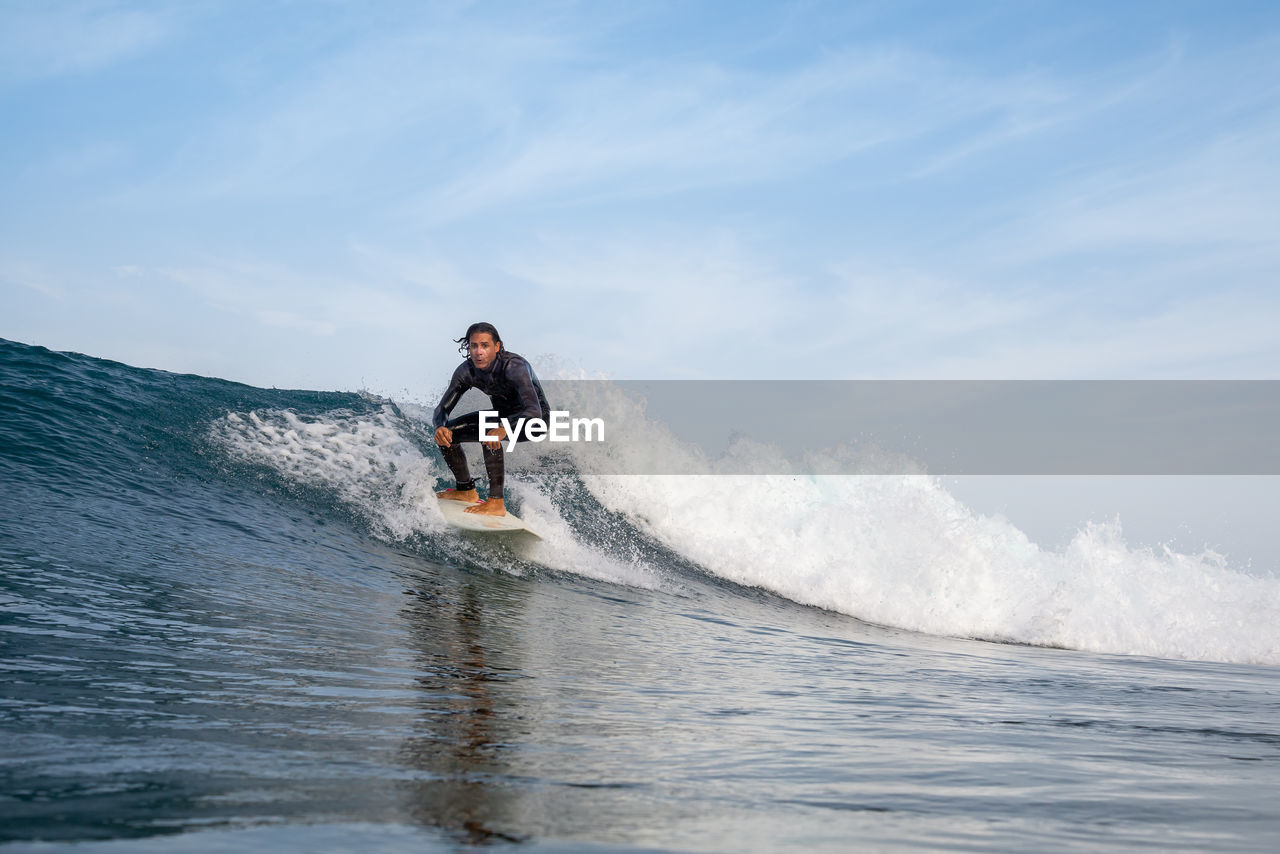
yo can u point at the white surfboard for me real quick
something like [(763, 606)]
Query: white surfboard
[(455, 514)]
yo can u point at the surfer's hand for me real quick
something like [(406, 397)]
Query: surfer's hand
[(498, 436), (444, 437)]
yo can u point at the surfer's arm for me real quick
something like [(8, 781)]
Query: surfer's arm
[(458, 386), (520, 374)]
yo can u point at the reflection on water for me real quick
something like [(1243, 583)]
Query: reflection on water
[(466, 649)]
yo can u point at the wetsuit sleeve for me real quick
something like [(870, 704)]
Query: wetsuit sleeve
[(520, 374), (458, 385)]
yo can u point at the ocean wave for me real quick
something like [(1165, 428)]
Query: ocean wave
[(894, 550)]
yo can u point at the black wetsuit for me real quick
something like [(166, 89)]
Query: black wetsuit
[(514, 392)]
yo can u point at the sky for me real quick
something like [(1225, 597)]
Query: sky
[(323, 194)]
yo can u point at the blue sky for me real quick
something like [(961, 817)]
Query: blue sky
[(321, 194)]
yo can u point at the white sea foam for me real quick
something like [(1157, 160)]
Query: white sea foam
[(369, 465), (363, 459), (899, 550)]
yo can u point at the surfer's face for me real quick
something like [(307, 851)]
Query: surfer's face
[(482, 349)]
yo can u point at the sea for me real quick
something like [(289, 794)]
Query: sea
[(233, 619)]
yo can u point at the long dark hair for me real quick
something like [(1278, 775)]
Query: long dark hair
[(465, 340)]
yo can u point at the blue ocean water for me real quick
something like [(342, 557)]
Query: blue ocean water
[(233, 620)]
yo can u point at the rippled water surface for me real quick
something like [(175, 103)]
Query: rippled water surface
[(482, 707)]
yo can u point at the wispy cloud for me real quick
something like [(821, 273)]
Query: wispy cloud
[(1223, 193), (366, 116), (31, 277), (276, 295), (681, 306), (56, 38), (1030, 105), (1205, 337), (655, 130), (484, 114)]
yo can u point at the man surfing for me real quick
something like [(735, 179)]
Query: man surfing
[(513, 390)]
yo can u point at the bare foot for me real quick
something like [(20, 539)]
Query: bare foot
[(491, 507), (468, 495)]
